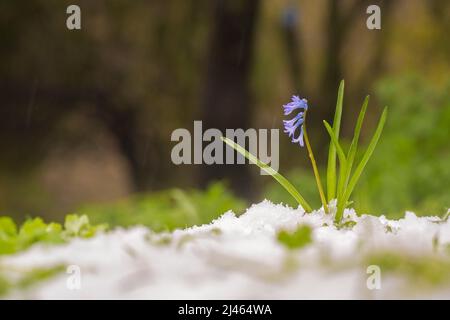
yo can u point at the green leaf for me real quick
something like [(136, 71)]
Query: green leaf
[(342, 160), (74, 224), (356, 134), (37, 275), (8, 235), (336, 143), (79, 226), (297, 239), (331, 169), (32, 230), (5, 285), (35, 230), (24, 277), (165, 210), (269, 170), (8, 246), (7, 228), (361, 165), (185, 202), (353, 146), (446, 216), (347, 225)]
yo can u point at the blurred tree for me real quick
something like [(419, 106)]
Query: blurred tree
[(292, 40), (105, 72), (226, 102), (339, 23), (134, 72)]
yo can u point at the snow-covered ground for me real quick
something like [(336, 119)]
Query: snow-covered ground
[(240, 258)]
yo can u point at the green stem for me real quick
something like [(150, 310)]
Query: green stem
[(314, 165)]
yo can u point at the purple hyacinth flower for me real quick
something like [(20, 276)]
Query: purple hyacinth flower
[(291, 126)]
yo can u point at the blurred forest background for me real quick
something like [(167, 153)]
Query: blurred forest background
[(86, 115)]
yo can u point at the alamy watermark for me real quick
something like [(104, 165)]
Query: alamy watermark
[(373, 22), (73, 21), (191, 149), (73, 281), (373, 282)]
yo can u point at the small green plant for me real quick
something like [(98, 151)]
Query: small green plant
[(297, 239), (428, 270), (167, 210), (23, 278), (13, 239), (341, 184)]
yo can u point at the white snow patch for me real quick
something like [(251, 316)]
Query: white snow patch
[(240, 258)]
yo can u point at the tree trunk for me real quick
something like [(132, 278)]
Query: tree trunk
[(333, 73), (227, 99), (290, 34)]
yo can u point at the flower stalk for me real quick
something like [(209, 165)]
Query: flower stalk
[(314, 165)]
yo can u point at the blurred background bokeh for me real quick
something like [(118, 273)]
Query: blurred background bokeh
[(86, 115)]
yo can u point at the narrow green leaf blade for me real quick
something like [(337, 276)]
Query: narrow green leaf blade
[(342, 160), (331, 169), (269, 170), (354, 145), (367, 154), (360, 167), (297, 239), (334, 139)]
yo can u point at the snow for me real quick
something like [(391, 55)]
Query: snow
[(240, 258)]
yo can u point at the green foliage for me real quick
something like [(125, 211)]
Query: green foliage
[(346, 186), (23, 279), (410, 170), (297, 239), (164, 210), (297, 176), (422, 270), (13, 239), (76, 226), (347, 179), (160, 211), (36, 275), (331, 169), (4, 285), (168, 210)]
